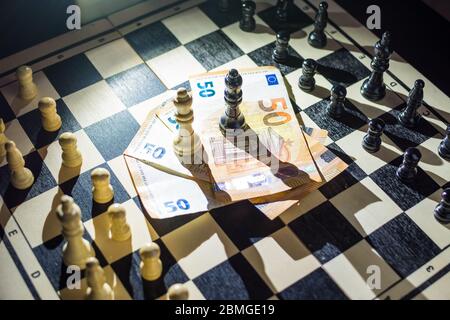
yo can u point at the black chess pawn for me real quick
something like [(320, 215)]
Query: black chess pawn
[(306, 82), (442, 210), (336, 106), (409, 117), (317, 37), (224, 5), (408, 169), (282, 10), (280, 53), (374, 88), (247, 22), (232, 122), (372, 140), (444, 146)]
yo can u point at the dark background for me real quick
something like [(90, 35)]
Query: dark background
[(420, 34)]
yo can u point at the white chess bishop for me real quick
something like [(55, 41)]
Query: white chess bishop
[(27, 88), (98, 288), (21, 178), (76, 250), (187, 141)]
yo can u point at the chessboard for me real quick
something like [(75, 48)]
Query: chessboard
[(364, 221)]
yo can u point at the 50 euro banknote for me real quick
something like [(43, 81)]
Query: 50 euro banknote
[(271, 156)]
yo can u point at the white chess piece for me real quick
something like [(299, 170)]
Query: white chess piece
[(98, 288), (71, 156), (3, 138), (151, 265), (27, 88), (51, 121), (187, 141), (102, 191), (177, 291), (120, 229), (76, 250), (21, 178)]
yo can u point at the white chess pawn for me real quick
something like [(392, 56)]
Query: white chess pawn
[(120, 229), (177, 291), (51, 121), (76, 250), (151, 265), (71, 156), (3, 138), (102, 191), (27, 88), (21, 178), (98, 288), (187, 141)]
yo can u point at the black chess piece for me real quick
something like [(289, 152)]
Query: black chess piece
[(408, 169), (317, 37), (247, 22), (280, 53), (374, 88), (442, 210), (409, 117), (282, 10), (232, 122), (224, 5), (444, 146), (306, 82), (336, 106), (372, 140)]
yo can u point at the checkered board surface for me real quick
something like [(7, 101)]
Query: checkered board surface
[(324, 247)]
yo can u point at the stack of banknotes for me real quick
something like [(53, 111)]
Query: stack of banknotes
[(273, 164)]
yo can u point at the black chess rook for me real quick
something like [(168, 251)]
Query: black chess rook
[(442, 210), (444, 146), (336, 106), (247, 22), (306, 82), (280, 52), (407, 171), (374, 88), (409, 117), (317, 37), (372, 140), (232, 122)]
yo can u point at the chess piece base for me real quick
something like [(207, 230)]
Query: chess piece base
[(72, 162), (104, 196), (307, 86), (77, 257), (408, 122), (317, 40), (443, 151), (248, 26), (440, 215), (28, 93), (373, 93), (123, 235), (406, 176), (151, 276), (232, 126), (370, 147), (22, 181), (54, 126)]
